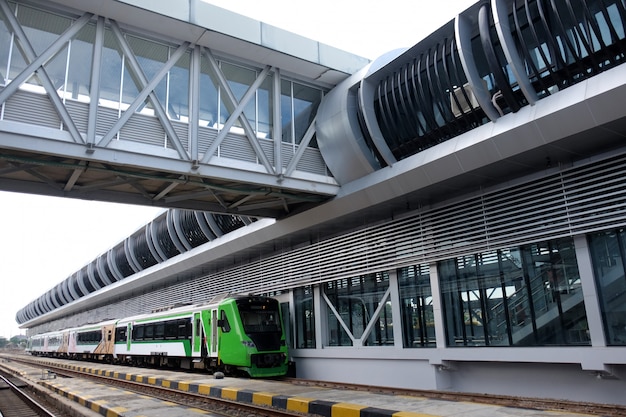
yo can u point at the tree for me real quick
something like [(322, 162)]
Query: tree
[(3, 342), (18, 341)]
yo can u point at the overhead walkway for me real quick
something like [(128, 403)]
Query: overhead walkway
[(180, 105)]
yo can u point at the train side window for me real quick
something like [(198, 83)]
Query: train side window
[(171, 329), (138, 333), (184, 329), (149, 332), (120, 334), (159, 330), (223, 322)]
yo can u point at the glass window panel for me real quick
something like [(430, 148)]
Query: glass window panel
[(208, 95), (525, 296), (110, 74), (286, 111), (151, 57), (305, 318), (355, 300), (265, 108), (129, 88), (305, 103), (607, 253), (41, 29), (79, 70), (416, 304), (178, 89), (239, 79), (5, 47)]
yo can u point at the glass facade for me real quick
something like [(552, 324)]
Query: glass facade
[(305, 318), (416, 303), (530, 295), (525, 296), (358, 311), (608, 254), (298, 108), (129, 62)]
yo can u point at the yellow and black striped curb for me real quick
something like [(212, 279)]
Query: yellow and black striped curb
[(285, 402)]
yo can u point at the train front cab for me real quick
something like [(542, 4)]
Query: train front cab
[(251, 336)]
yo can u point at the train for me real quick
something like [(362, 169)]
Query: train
[(240, 334)]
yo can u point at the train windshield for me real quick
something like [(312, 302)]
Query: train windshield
[(259, 316)]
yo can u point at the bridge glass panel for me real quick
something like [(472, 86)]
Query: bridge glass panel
[(298, 105), (523, 296), (208, 95), (78, 83), (151, 57), (178, 89), (5, 48), (608, 253), (42, 29), (416, 305), (239, 79), (265, 99), (110, 73)]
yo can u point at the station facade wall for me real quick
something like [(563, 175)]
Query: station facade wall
[(520, 290)]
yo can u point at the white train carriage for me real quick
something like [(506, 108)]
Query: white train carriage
[(48, 344), (174, 337), (94, 341)]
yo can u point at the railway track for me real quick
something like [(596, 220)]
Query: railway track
[(215, 406), (16, 402)]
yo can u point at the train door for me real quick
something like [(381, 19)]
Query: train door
[(198, 333), (214, 332), (106, 345)]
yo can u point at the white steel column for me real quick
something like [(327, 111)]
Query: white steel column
[(440, 332), (590, 293)]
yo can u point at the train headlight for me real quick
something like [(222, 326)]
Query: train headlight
[(248, 343)]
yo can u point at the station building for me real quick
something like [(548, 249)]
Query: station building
[(477, 242)]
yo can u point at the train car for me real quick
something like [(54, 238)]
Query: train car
[(94, 341), (241, 334), (47, 344)]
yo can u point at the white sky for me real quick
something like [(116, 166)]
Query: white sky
[(45, 239)]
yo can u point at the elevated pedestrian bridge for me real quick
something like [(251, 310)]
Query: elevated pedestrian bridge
[(181, 105)]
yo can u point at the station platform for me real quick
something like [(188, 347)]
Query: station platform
[(326, 402)]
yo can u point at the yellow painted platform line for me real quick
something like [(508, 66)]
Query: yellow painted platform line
[(262, 398), (299, 404), (204, 389), (139, 378), (346, 410), (229, 393), (152, 380), (96, 405), (183, 385), (196, 410), (116, 411), (165, 383), (129, 377)]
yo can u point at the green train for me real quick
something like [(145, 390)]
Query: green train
[(235, 335)]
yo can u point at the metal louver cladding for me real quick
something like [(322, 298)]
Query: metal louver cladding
[(576, 201)]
